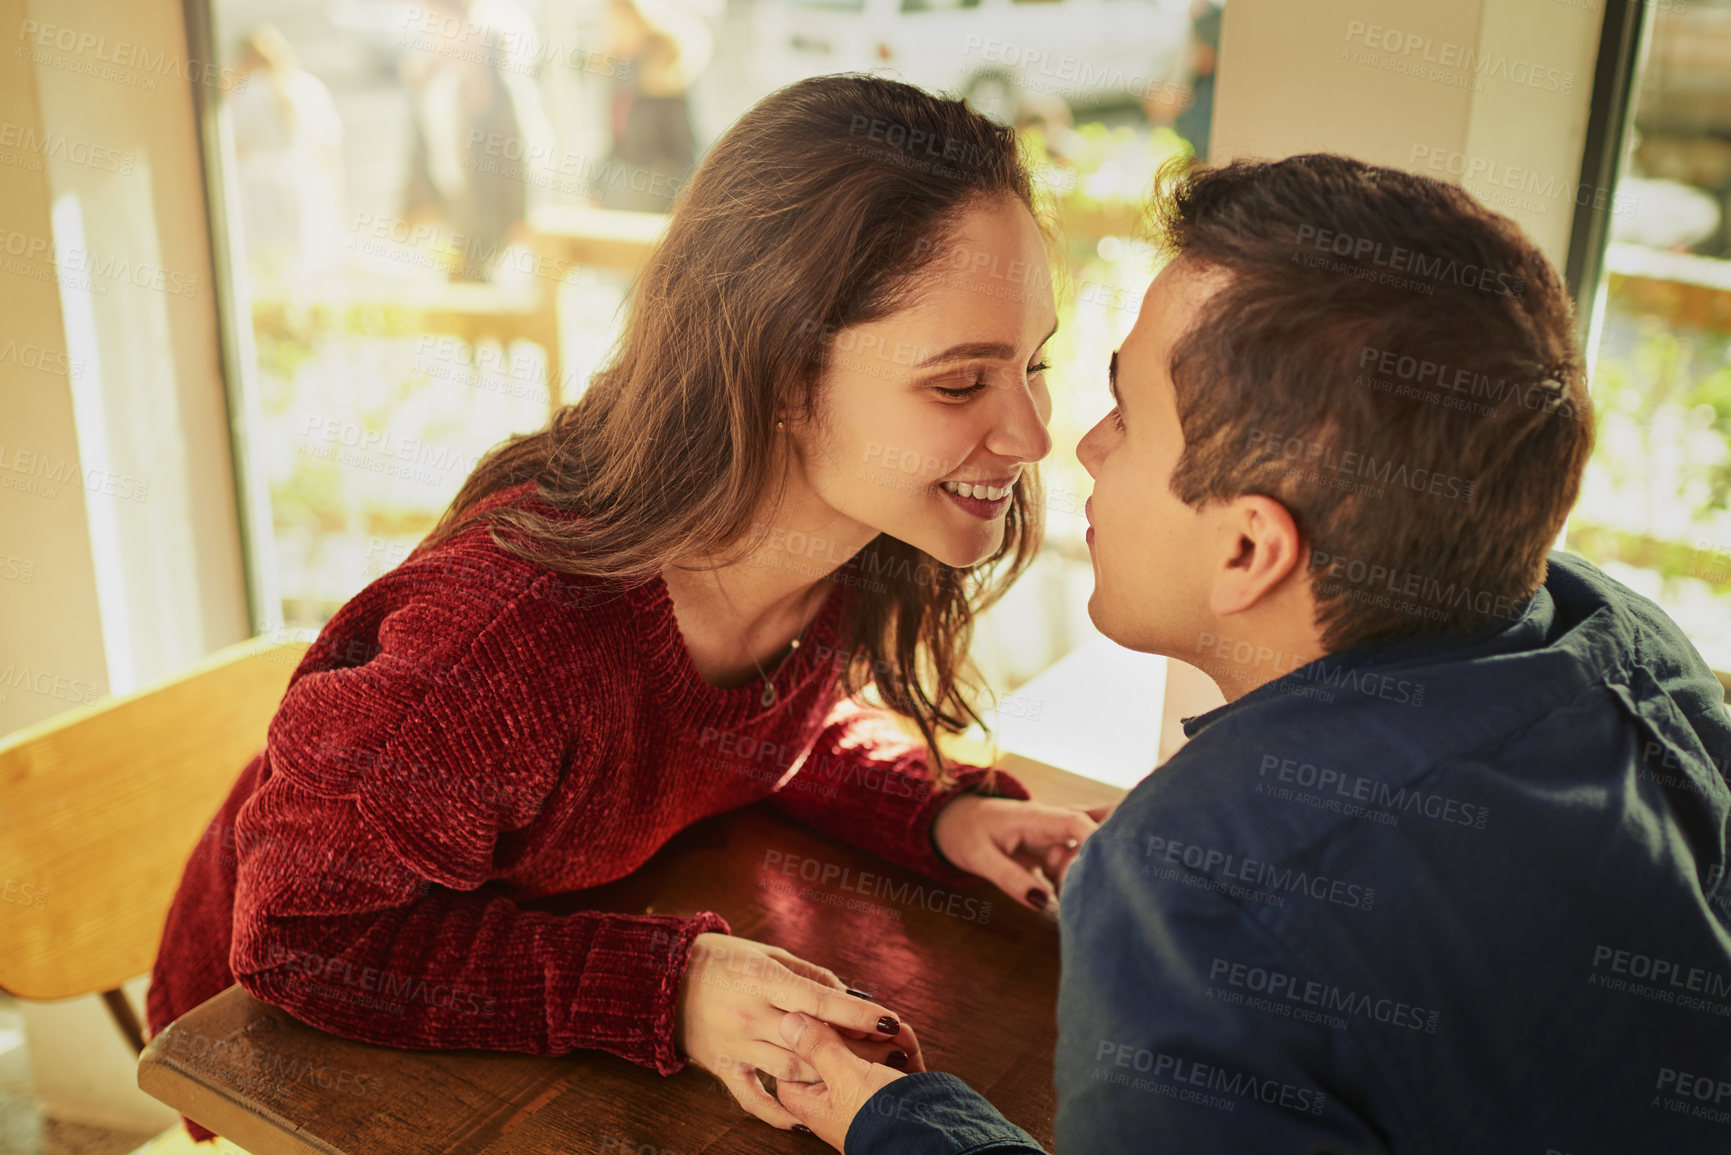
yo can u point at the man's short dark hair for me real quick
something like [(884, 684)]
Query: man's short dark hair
[(1394, 363)]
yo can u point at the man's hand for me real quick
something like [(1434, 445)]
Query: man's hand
[(732, 999), (1024, 848), (847, 1081)]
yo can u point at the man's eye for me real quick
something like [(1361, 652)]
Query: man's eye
[(1038, 367)]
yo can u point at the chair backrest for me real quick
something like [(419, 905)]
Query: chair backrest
[(101, 806)]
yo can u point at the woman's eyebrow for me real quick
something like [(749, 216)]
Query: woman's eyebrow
[(982, 350)]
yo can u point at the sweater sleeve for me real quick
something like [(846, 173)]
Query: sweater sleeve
[(362, 902), (865, 782)]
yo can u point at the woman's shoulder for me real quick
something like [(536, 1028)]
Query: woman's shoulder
[(446, 596), (475, 555)]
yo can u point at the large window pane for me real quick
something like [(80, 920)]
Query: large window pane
[(1656, 506), (417, 186)]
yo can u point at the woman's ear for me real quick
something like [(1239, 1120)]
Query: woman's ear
[(1260, 548)]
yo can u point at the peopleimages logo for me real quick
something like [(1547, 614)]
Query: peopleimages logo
[(119, 61), (1701, 1096), (1548, 395), (1322, 675), (1373, 575), (1660, 979), (1358, 788), (1403, 259), (1265, 880), (1385, 471), (58, 146), (1190, 1073), (822, 874), (1043, 71), (1456, 63), (1325, 998), (334, 977)]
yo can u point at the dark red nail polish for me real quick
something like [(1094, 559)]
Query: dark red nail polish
[(802, 1128), (859, 994), (897, 1059), (1037, 898), (888, 1025)]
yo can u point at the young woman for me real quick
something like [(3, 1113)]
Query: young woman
[(808, 465)]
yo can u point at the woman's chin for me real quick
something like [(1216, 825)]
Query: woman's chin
[(956, 546), (965, 551)]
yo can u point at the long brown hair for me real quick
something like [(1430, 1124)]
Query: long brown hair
[(813, 213)]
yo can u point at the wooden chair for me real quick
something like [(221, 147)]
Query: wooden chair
[(100, 808)]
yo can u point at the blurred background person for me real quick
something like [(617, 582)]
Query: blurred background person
[(477, 133), (288, 143), (657, 52), (1187, 101)]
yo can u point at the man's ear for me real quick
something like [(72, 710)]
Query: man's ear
[(1260, 551)]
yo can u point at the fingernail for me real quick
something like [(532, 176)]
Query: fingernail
[(791, 1024), (1037, 898), (897, 1059), (859, 994), (888, 1025), (802, 1128)]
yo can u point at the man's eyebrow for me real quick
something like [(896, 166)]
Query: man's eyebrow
[(978, 350)]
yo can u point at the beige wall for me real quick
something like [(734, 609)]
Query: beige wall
[(50, 633), (1325, 75), (119, 551), (127, 512)]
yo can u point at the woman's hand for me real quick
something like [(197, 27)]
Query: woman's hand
[(827, 1108), (728, 1019), (1024, 848)]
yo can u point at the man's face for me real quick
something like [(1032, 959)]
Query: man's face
[(1150, 550)]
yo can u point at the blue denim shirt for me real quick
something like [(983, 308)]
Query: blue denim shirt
[(1448, 895)]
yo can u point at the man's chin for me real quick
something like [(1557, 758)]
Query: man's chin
[(1099, 614), (1126, 631)]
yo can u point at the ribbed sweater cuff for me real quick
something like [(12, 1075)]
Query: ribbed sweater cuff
[(968, 779), (640, 1029)]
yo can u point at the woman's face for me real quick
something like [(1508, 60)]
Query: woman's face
[(927, 417)]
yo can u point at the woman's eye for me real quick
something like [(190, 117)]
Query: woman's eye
[(962, 393)]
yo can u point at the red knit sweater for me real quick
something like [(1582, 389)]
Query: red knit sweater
[(472, 731)]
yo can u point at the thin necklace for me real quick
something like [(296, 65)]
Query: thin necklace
[(768, 697)]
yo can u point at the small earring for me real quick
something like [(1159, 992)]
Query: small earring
[(780, 425)]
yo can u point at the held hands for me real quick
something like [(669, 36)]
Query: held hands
[(828, 1107), (728, 1020), (1024, 848)]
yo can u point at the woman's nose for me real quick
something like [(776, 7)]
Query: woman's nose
[(1020, 431)]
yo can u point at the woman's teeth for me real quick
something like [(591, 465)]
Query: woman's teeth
[(978, 492)]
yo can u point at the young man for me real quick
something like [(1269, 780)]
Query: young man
[(1447, 873)]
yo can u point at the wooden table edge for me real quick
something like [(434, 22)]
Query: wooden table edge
[(260, 1131)]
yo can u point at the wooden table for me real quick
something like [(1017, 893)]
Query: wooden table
[(979, 988)]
